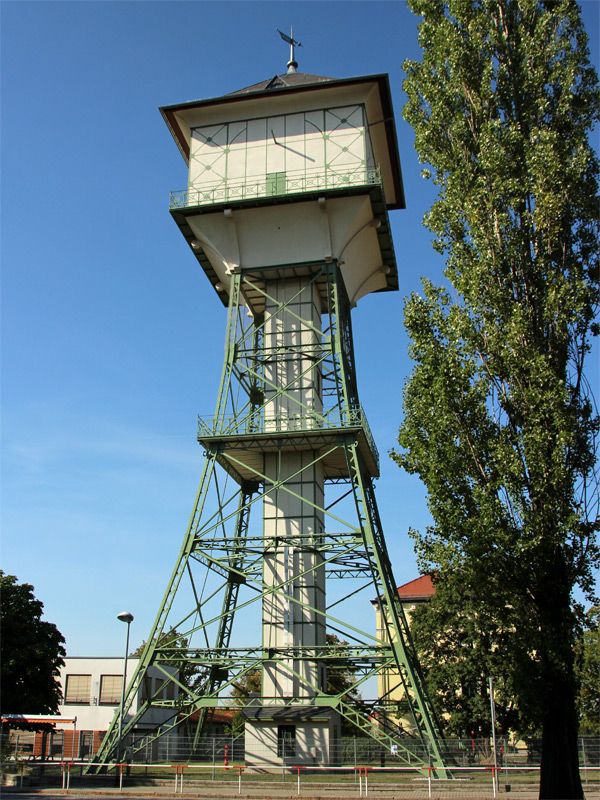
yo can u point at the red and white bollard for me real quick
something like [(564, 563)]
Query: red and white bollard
[(65, 767), (179, 768)]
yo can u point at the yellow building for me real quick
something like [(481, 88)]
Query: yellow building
[(389, 686)]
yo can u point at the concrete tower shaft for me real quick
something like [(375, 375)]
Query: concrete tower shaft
[(293, 616)]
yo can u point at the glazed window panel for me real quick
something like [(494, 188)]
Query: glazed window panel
[(78, 689), (232, 160), (276, 144), (110, 689), (236, 155), (295, 150), (256, 152)]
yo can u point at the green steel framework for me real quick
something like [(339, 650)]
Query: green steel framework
[(218, 576)]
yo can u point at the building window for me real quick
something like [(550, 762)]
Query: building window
[(21, 743), (56, 744), (147, 695), (110, 689), (77, 691), (275, 183), (86, 744), (286, 741)]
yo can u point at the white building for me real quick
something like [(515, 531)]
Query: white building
[(91, 688), (92, 692)]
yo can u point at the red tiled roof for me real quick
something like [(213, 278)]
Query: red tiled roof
[(36, 719), (420, 588), (221, 715), (215, 715)]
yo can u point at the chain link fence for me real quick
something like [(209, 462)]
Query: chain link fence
[(348, 751), (217, 768)]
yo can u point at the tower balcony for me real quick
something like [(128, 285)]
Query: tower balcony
[(247, 437), (279, 185)]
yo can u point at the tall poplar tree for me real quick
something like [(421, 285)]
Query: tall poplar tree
[(499, 421)]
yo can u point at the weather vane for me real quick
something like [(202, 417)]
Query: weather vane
[(292, 64)]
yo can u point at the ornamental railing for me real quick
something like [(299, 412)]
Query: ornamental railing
[(263, 421), (276, 185)]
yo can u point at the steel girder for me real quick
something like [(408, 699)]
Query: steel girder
[(193, 653)]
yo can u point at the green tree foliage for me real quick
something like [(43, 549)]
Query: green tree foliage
[(341, 679), (499, 422), (188, 672), (461, 643), (32, 652), (588, 668), (242, 690), (246, 687), (340, 675)]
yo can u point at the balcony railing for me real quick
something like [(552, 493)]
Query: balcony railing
[(255, 187), (262, 421)]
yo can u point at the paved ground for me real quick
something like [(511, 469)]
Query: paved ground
[(249, 786), (205, 791)]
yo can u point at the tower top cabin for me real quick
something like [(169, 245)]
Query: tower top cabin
[(287, 174)]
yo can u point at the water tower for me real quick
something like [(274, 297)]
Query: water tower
[(286, 212)]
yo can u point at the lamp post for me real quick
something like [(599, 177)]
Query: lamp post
[(124, 616), (493, 715)]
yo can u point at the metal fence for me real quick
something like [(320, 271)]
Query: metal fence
[(313, 783), (292, 182), (357, 751), (348, 751)]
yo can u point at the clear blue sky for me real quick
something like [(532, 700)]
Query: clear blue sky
[(112, 339)]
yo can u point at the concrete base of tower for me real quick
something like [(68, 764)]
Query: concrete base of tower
[(291, 736)]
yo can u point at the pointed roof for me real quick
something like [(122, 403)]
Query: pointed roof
[(418, 590), (287, 80)]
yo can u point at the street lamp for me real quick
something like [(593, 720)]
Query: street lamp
[(124, 616), (493, 715)]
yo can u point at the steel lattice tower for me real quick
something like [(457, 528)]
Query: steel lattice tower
[(290, 182)]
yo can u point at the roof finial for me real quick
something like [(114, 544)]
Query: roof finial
[(292, 64)]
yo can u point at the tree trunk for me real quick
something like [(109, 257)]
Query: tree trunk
[(559, 775)]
